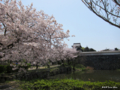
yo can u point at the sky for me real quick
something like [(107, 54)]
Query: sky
[(89, 29)]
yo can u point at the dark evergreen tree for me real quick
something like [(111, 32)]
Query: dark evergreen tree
[(116, 49)]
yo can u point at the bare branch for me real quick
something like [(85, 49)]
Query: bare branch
[(108, 10)]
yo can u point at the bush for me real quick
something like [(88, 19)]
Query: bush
[(9, 69), (68, 84), (28, 65), (80, 66), (3, 68), (25, 67)]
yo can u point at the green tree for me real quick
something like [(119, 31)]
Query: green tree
[(91, 49), (116, 49), (82, 48), (106, 50), (87, 49)]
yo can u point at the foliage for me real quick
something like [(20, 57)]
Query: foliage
[(106, 50), (29, 65), (9, 69), (6, 68), (108, 10), (82, 48), (80, 66), (3, 68), (116, 49), (86, 49), (67, 84)]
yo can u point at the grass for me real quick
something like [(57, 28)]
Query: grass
[(118, 70), (66, 84)]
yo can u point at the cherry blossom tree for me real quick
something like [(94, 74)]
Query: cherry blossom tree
[(70, 54), (108, 10), (17, 25), (28, 35), (64, 53)]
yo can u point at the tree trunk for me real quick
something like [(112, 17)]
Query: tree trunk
[(36, 67)]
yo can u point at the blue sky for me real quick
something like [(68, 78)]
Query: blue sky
[(89, 30)]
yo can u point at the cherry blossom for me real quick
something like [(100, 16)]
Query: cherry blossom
[(30, 36)]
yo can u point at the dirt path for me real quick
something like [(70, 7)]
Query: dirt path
[(33, 68)]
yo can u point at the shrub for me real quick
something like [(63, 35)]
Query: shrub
[(68, 84), (2, 68), (25, 67), (9, 69), (28, 65), (80, 66)]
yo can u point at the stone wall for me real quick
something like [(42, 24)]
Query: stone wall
[(35, 74), (100, 62), (43, 73)]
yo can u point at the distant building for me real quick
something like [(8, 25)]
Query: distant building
[(77, 46)]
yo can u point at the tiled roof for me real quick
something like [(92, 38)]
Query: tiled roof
[(76, 44)]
